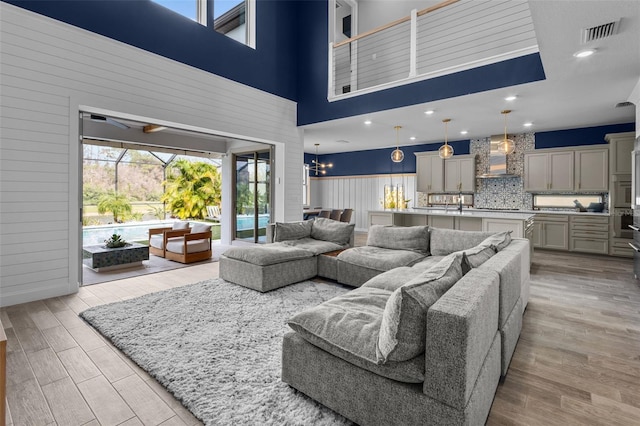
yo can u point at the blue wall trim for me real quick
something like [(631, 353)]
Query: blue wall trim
[(271, 67), (314, 107), (378, 161), (581, 136)]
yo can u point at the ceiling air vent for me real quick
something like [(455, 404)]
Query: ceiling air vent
[(624, 104), (600, 31)]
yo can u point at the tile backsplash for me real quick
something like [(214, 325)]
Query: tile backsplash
[(501, 193)]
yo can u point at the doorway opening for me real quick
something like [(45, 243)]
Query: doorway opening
[(252, 195), (138, 175)]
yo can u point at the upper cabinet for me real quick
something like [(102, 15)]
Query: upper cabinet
[(620, 147), (460, 173), (430, 172), (437, 175), (580, 170), (592, 170), (548, 171)]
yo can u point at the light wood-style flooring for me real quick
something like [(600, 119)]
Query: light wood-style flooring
[(577, 361)]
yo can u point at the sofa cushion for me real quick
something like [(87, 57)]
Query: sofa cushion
[(157, 240), (391, 280), (332, 230), (269, 254), (180, 225), (176, 245), (499, 240), (427, 263), (292, 230), (379, 259), (315, 246), (413, 238), (447, 241), (404, 321), (347, 326), (200, 227)]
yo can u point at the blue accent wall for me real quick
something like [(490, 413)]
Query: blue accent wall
[(581, 136), (378, 161), (314, 107), (271, 67)]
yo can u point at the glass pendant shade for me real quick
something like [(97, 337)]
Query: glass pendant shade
[(446, 151), (506, 145), (397, 155)]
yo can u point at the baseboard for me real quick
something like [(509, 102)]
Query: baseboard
[(10, 298)]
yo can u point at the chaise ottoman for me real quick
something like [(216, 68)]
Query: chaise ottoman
[(267, 267)]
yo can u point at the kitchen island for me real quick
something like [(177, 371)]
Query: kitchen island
[(520, 223)]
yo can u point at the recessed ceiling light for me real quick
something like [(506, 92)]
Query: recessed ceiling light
[(367, 122), (584, 53), (429, 112), (528, 124), (463, 132), (413, 138), (510, 98)]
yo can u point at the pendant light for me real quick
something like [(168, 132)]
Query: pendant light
[(397, 155), (506, 146), (446, 150), (317, 166)]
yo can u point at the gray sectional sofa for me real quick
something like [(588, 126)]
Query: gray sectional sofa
[(425, 337)]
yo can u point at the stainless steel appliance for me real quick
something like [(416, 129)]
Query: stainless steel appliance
[(635, 205), (622, 214)]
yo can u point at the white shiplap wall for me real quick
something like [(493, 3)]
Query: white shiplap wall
[(50, 71), (361, 193)]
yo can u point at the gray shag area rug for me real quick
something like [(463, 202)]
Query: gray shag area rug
[(217, 348)]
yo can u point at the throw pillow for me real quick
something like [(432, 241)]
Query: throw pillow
[(200, 227), (414, 238), (404, 322), (446, 241), (332, 230), (180, 225), (499, 240), (292, 230), (476, 256)]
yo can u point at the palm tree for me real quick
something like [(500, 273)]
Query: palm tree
[(117, 204), (191, 187)]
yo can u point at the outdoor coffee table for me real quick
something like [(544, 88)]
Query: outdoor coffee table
[(100, 258)]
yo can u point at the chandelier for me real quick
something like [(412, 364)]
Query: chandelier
[(397, 155), (446, 150), (506, 146), (318, 167)]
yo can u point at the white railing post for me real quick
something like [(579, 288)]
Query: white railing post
[(413, 49), (331, 92)]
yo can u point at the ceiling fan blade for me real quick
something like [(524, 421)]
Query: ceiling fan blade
[(117, 123), (108, 120)]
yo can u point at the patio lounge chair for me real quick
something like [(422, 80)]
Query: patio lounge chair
[(158, 237), (190, 247), (213, 213)]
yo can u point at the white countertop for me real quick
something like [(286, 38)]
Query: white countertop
[(496, 214), (467, 212)]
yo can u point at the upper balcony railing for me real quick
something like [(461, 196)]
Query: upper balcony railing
[(448, 37)]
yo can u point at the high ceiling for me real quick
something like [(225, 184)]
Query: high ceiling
[(576, 93)]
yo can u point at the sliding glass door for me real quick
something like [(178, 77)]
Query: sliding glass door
[(252, 198)]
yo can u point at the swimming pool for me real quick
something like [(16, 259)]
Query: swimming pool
[(95, 235), (246, 221)]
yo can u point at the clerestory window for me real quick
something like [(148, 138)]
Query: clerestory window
[(233, 18)]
